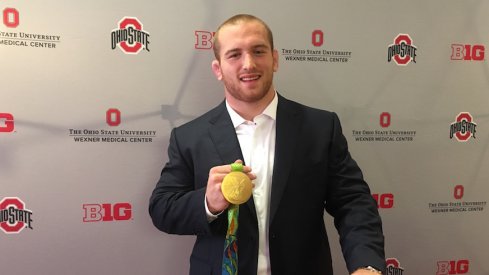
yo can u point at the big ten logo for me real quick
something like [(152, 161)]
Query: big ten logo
[(384, 201), (385, 119), (453, 267), (393, 267), (113, 117), (458, 192), (203, 40), (6, 123), (467, 52), (317, 38), (11, 17), (107, 212)]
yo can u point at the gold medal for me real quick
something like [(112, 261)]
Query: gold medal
[(236, 186)]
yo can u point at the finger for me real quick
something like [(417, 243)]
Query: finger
[(246, 169), (251, 176), (223, 169), (216, 178)]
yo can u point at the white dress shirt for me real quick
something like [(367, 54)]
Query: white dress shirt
[(257, 141)]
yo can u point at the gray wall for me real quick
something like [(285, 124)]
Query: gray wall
[(69, 185)]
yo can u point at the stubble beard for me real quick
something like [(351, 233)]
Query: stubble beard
[(239, 94)]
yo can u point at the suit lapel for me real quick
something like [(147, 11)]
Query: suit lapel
[(287, 130), (226, 142), (224, 137)]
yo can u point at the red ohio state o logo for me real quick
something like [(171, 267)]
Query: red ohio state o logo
[(113, 117), (130, 36), (398, 41), (463, 128), (393, 266), (317, 38), (458, 192), (125, 23), (393, 262), (385, 119), (402, 51), (461, 117), (13, 216), (11, 18)]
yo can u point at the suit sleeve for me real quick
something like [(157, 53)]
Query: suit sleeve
[(176, 204), (354, 210)]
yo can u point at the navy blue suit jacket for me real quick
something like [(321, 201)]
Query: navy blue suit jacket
[(313, 172)]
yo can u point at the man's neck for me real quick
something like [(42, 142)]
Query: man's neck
[(249, 110)]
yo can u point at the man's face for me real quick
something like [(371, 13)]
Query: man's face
[(247, 62)]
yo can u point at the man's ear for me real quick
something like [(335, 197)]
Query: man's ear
[(275, 60), (216, 68)]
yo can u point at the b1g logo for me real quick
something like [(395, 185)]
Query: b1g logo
[(467, 52), (107, 212), (14, 217), (393, 267), (113, 117), (463, 128), (402, 51), (11, 17), (130, 36), (6, 123), (453, 267), (203, 40), (384, 201)]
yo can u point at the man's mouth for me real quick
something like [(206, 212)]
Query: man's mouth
[(249, 78)]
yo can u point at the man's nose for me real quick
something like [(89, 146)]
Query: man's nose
[(248, 62)]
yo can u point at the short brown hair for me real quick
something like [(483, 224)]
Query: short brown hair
[(239, 18)]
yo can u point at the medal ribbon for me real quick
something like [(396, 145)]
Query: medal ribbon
[(230, 255)]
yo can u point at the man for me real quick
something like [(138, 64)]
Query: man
[(297, 157)]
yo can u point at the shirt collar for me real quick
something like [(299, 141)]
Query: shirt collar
[(270, 111)]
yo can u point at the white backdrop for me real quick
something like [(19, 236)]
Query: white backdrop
[(84, 127)]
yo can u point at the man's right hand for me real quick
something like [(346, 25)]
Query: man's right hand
[(216, 203)]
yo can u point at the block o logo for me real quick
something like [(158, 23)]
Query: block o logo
[(458, 192), (13, 216), (113, 117), (402, 51), (463, 127), (317, 38), (393, 267), (11, 18), (385, 120), (130, 36)]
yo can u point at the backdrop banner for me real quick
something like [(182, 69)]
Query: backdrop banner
[(90, 91)]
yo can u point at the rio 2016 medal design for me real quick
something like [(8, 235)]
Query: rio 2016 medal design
[(236, 186)]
